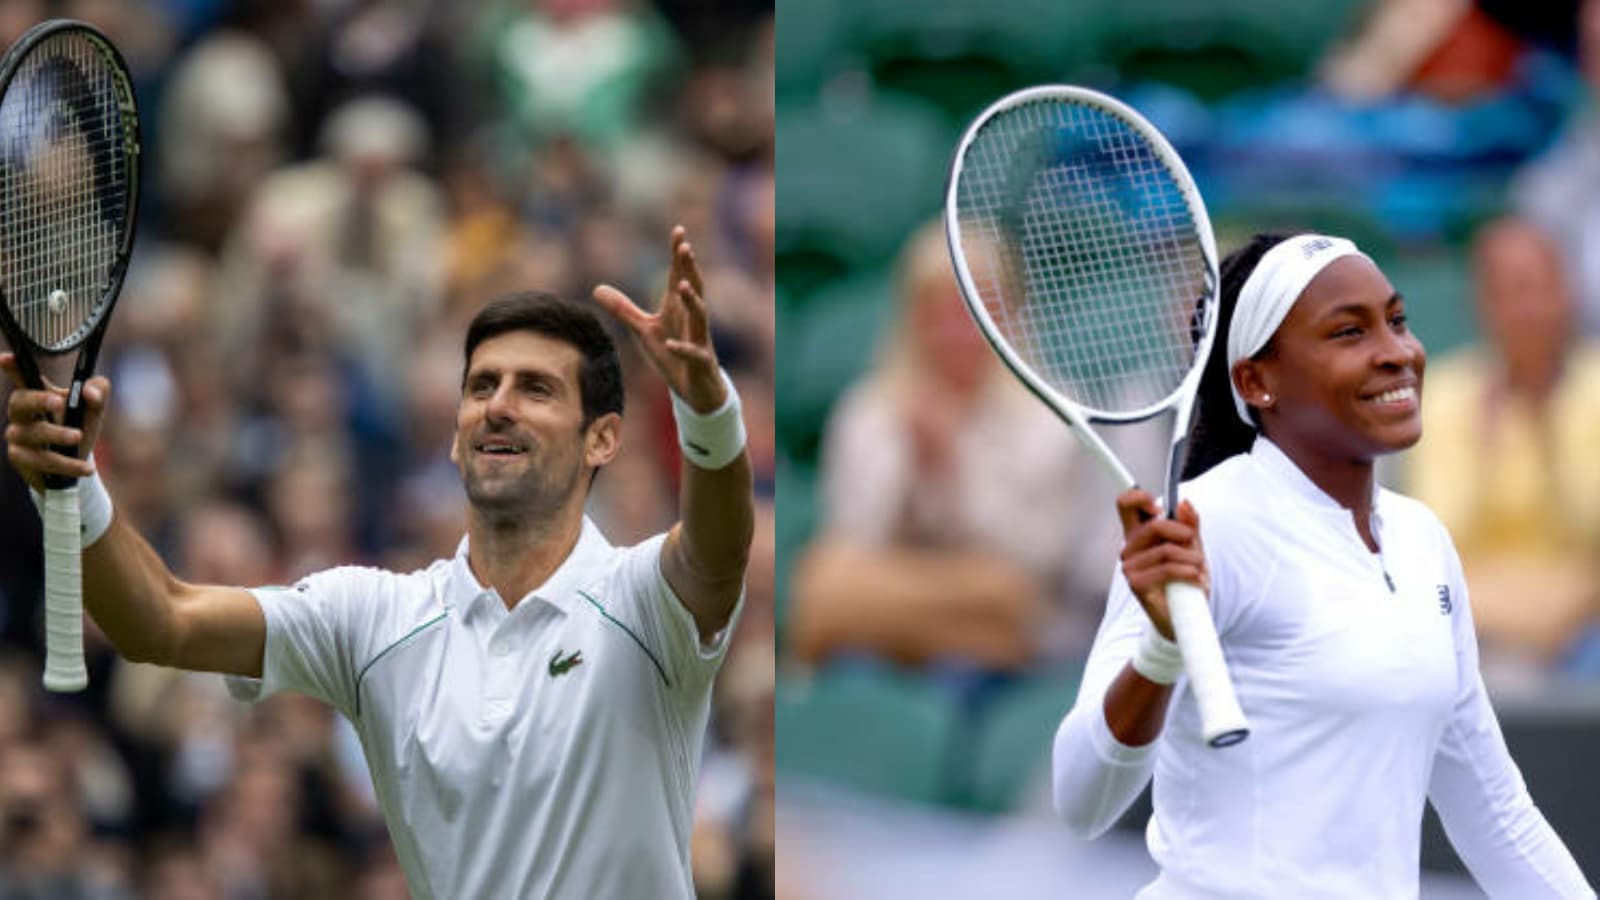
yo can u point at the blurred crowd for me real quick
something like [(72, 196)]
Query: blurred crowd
[(332, 188)]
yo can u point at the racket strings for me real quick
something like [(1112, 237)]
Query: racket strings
[(64, 184), (1085, 251)]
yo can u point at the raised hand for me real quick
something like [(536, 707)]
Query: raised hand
[(677, 337), (1158, 550), (32, 431)]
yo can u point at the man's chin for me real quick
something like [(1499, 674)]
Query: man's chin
[(492, 494)]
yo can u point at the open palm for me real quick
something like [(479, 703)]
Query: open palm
[(677, 337)]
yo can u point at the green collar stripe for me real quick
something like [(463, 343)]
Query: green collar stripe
[(408, 636), (629, 631)]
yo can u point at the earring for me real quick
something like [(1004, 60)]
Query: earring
[(1266, 398)]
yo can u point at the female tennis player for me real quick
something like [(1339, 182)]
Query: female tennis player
[(1342, 611)]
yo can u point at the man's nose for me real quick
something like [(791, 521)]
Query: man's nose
[(499, 407)]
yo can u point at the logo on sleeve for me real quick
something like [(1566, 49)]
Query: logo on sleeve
[(1445, 606), (561, 666)]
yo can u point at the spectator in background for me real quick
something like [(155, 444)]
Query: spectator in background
[(222, 128), (1508, 463), (1561, 190), (1448, 49), (583, 68), (354, 235), (926, 552), (45, 846)]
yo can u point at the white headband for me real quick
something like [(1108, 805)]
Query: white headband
[(1269, 292)]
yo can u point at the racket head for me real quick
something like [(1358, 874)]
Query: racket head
[(69, 184), (1084, 252)]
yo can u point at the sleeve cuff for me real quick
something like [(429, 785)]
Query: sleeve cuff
[(243, 689), (1109, 749), (707, 650)]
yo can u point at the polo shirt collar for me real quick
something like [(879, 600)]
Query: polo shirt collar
[(559, 590), (1282, 470)]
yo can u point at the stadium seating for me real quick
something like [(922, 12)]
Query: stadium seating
[(824, 351), (867, 728), (852, 183), (1012, 747)]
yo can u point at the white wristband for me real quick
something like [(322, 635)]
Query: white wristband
[(94, 506), (714, 439), (1157, 658)]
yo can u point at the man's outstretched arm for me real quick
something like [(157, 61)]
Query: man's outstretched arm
[(705, 554), (148, 614)]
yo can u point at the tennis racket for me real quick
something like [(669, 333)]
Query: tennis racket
[(69, 184), (1085, 255)]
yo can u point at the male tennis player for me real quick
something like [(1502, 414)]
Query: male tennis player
[(533, 709), (1342, 608)]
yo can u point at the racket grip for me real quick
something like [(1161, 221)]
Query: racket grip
[(64, 670), (1222, 722)]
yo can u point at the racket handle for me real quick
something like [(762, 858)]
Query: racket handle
[(64, 670), (1222, 722)]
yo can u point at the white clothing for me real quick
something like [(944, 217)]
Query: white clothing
[(1364, 700), (548, 751)]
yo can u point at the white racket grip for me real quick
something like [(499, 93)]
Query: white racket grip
[(1222, 722), (64, 670)]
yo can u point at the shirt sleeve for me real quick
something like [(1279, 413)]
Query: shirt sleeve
[(1479, 794), (667, 627), (311, 640), (1095, 777)]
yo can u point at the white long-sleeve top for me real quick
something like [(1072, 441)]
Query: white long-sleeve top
[(1359, 673)]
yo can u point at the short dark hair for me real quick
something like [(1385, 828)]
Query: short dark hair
[(1218, 432), (600, 372)]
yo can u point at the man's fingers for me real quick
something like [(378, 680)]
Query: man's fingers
[(96, 391), (683, 264), (29, 405), (689, 268), (42, 433), (691, 351), (699, 318), (618, 304), (47, 462)]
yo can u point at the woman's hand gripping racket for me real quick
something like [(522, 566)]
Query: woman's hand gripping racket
[(1086, 257), (69, 185)]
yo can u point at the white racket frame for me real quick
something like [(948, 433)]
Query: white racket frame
[(1222, 721)]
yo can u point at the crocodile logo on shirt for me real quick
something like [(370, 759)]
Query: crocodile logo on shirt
[(1444, 599), (561, 666)]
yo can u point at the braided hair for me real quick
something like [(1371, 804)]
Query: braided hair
[(1217, 432)]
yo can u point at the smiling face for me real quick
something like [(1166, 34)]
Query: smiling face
[(1344, 372), (520, 443)]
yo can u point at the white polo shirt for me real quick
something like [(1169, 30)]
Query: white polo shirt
[(545, 752), (1359, 672)]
